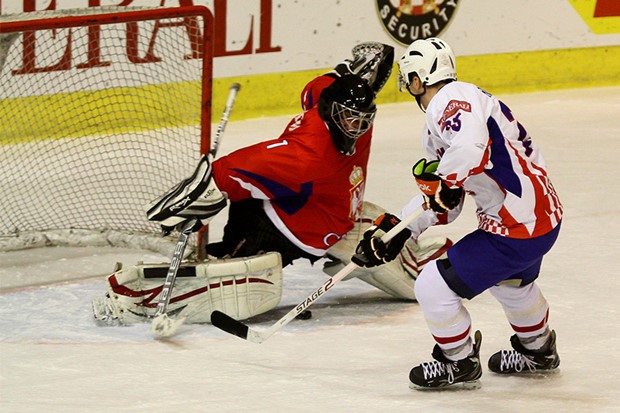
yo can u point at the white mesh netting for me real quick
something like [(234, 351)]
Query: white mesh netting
[(96, 121)]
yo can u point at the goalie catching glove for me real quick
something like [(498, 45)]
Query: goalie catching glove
[(196, 197), (372, 61), (372, 251), (438, 196)]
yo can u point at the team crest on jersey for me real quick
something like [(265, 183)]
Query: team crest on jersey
[(409, 20), (357, 192), (451, 117)]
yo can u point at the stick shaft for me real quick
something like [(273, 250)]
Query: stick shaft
[(232, 95), (175, 263), (230, 101), (299, 308), (177, 256)]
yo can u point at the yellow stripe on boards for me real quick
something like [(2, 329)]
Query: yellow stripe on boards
[(266, 95), (279, 94), (107, 111), (543, 70)]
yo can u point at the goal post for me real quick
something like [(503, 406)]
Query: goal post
[(102, 110)]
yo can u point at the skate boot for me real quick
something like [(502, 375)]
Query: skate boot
[(444, 373), (522, 360)]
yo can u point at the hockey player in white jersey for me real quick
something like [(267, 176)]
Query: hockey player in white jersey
[(476, 147)]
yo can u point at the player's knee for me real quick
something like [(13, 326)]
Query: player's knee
[(431, 290), (422, 286)]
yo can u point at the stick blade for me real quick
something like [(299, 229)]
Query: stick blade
[(228, 324), (164, 326)]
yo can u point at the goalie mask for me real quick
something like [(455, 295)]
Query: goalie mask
[(348, 108)]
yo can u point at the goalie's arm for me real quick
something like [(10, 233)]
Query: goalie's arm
[(198, 196)]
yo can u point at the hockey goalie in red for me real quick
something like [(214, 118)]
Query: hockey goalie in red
[(300, 193)]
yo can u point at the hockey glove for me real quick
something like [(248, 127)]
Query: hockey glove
[(372, 61), (382, 71), (371, 251), (438, 196)]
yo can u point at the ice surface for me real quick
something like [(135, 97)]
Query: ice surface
[(354, 355)]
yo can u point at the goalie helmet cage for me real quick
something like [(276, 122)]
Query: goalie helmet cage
[(102, 110)]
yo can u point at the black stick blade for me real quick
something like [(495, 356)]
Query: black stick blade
[(229, 324)]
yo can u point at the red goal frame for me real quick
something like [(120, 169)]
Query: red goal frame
[(127, 16)]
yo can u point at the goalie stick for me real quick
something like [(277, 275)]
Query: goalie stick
[(230, 325), (232, 95), (162, 325)]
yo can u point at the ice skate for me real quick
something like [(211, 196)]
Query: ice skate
[(443, 373), (524, 361)]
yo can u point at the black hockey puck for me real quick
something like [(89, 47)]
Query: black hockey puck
[(304, 315)]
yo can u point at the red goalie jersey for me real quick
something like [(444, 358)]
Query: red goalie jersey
[(312, 192)]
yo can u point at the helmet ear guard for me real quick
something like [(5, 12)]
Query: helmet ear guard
[(348, 108)]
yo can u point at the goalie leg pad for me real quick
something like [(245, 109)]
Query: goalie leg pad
[(396, 277), (240, 287)]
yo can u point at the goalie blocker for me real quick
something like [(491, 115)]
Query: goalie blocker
[(196, 197), (240, 287)]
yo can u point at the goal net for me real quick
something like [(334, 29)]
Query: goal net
[(101, 111)]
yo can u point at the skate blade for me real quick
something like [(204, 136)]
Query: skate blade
[(532, 375), (464, 385)]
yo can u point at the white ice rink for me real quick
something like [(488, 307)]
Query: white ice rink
[(355, 354)]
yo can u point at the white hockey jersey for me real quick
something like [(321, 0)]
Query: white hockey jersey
[(486, 151)]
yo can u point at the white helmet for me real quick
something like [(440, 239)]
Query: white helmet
[(431, 59)]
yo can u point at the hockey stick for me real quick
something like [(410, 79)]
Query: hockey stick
[(162, 325), (230, 325), (215, 145), (232, 95)]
